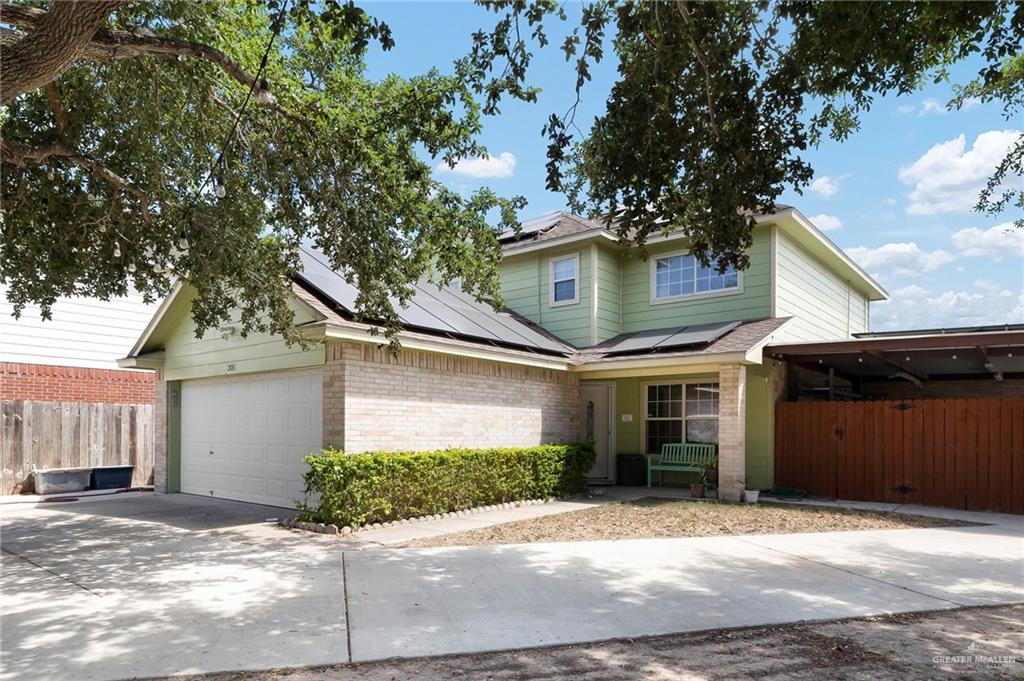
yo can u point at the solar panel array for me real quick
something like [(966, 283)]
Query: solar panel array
[(533, 226), (432, 309), (676, 337)]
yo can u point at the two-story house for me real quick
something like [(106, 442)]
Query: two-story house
[(596, 342), (669, 350)]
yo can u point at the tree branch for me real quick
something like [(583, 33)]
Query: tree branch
[(60, 115), (111, 45), (56, 41), (24, 155), (702, 60)]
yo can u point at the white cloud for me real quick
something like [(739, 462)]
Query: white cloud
[(827, 186), (899, 259), (996, 243), (914, 307), (932, 106), (500, 166), (889, 201), (906, 108), (948, 177), (826, 222)]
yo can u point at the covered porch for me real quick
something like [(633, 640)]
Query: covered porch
[(720, 393)]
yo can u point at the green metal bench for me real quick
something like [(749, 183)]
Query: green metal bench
[(688, 457)]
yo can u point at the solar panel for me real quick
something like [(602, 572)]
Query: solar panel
[(320, 275), (644, 340), (532, 226), (662, 339), (503, 327), (698, 334), (442, 310)]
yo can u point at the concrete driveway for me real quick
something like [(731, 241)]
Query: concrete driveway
[(116, 588), (157, 585)]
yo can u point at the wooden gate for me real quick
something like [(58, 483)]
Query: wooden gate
[(966, 454)]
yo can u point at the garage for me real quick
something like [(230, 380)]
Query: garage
[(244, 437)]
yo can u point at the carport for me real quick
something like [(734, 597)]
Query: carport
[(932, 416)]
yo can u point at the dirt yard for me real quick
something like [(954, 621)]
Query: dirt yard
[(674, 518), (973, 643)]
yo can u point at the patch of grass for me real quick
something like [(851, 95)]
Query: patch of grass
[(660, 518)]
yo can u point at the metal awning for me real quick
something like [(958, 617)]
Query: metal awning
[(934, 354)]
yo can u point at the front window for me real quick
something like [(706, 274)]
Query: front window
[(676, 276), (681, 412), (564, 287)]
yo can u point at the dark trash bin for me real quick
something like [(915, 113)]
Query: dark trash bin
[(631, 470), (112, 477)]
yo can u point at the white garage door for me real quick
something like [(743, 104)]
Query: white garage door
[(245, 437)]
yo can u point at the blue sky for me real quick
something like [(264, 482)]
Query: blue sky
[(897, 196)]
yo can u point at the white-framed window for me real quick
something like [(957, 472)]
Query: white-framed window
[(680, 275), (679, 412), (565, 280)]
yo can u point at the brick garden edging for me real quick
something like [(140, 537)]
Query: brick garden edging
[(296, 524)]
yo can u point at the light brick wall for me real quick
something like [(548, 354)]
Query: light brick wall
[(334, 396), (732, 441), (160, 434), (421, 401)]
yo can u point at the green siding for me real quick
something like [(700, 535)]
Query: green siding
[(609, 293), (173, 436), (753, 302), (759, 430), (186, 356), (525, 287), (823, 305)]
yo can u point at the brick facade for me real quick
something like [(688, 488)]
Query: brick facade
[(732, 439), (422, 401), (160, 434), (74, 384)]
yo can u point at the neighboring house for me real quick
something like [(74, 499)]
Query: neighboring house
[(596, 343), (59, 380)]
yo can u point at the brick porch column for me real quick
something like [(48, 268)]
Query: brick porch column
[(732, 439), (160, 434), (334, 396)]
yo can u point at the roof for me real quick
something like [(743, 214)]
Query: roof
[(945, 331), (432, 309), (995, 351), (547, 227), (707, 339)]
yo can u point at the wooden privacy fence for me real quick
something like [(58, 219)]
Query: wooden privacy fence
[(966, 454), (72, 435)]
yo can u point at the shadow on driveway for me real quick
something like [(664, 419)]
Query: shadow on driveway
[(155, 585)]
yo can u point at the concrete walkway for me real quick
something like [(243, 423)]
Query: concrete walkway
[(152, 585)]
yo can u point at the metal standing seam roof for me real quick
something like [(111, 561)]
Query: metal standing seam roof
[(433, 309)]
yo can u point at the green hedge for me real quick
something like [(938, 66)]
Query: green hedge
[(357, 489)]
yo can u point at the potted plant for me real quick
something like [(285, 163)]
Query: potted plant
[(697, 489), (709, 474)]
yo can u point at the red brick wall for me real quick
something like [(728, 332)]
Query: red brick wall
[(74, 384)]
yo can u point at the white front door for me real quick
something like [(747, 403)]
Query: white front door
[(245, 437), (597, 424)]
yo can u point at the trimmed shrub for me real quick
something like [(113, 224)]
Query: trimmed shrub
[(356, 489)]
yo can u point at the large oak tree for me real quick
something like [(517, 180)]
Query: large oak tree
[(144, 141)]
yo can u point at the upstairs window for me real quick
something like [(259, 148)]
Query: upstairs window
[(565, 280), (681, 275)]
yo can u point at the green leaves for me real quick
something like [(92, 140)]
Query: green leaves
[(333, 159), (356, 489), (715, 103)]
